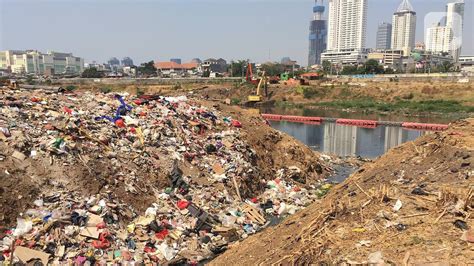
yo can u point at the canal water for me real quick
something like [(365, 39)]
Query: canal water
[(420, 118), (342, 140)]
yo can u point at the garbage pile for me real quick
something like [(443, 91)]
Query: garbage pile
[(412, 206), (107, 178)]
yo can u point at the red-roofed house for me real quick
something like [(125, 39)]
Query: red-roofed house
[(173, 68)]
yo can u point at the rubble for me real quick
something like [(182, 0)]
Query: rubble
[(412, 206), (106, 178)]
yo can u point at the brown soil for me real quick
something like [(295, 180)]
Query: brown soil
[(357, 219), (325, 91), (379, 91)]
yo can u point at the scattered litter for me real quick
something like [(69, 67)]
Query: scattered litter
[(161, 179)]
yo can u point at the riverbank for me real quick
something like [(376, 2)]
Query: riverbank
[(413, 205), (449, 99)]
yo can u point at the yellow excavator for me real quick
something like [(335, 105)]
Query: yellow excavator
[(261, 84)]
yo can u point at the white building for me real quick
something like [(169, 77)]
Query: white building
[(437, 39), (447, 37), (347, 26), (35, 62), (455, 21), (467, 63), (403, 28)]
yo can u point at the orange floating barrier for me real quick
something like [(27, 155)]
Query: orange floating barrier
[(421, 126)]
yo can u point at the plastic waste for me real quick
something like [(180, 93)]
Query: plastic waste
[(22, 227), (397, 206)]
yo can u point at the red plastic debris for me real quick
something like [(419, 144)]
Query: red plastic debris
[(102, 243), (236, 123), (133, 130), (254, 200), (148, 249), (35, 100), (67, 110), (182, 204), (162, 234), (120, 123), (137, 101), (101, 225)]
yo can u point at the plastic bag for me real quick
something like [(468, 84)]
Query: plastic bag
[(23, 226)]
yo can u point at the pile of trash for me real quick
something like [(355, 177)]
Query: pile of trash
[(96, 177), (412, 206)]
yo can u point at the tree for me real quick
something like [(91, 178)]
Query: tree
[(389, 71), (147, 69), (274, 69), (326, 66), (446, 66), (91, 73), (372, 66), (206, 73), (237, 68), (350, 70)]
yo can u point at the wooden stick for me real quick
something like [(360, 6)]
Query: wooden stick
[(376, 227), (362, 190), (442, 214), (468, 197), (236, 187), (406, 258), (415, 215)]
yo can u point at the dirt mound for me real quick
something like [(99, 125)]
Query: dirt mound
[(413, 205)]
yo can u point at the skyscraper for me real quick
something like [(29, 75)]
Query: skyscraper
[(446, 36), (454, 21), (384, 36), (347, 26), (404, 26), (317, 34), (127, 61), (437, 39)]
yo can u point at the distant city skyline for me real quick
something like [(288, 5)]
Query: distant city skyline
[(160, 30)]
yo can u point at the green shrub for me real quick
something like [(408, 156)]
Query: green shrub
[(235, 101), (140, 92), (105, 89), (177, 86), (70, 88)]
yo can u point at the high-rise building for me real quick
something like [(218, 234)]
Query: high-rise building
[(127, 62), (403, 28), (384, 36), (35, 62), (454, 21), (437, 39), (176, 60), (113, 61), (317, 34), (446, 36), (347, 26)]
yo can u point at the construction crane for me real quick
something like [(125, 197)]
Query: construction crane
[(262, 83)]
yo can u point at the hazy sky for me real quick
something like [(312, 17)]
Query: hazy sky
[(145, 30)]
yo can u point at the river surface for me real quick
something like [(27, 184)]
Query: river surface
[(342, 140), (421, 118)]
